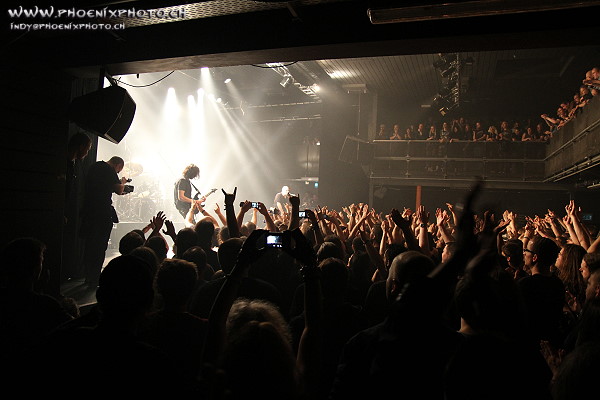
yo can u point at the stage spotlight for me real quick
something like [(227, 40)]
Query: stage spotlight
[(227, 80), (219, 100), (448, 71), (440, 64), (316, 88), (286, 80), (204, 69)]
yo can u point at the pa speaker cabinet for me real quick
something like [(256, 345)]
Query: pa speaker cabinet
[(107, 112), (356, 151)]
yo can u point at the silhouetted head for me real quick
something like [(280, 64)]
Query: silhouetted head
[(79, 146), (589, 264), (125, 288), (406, 268), (186, 238), (228, 252), (512, 250), (148, 255), (197, 256), (21, 263), (334, 278), (328, 250), (130, 241), (541, 252), (176, 281), (159, 245), (204, 229)]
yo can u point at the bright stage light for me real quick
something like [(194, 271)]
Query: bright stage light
[(227, 80), (191, 101)]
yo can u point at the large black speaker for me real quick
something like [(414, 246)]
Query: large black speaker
[(356, 151), (107, 112)]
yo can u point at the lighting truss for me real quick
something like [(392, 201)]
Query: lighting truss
[(288, 78)]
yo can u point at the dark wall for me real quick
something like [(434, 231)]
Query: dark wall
[(34, 133), (340, 183)]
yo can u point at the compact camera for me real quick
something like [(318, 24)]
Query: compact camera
[(128, 188), (302, 214), (254, 204)]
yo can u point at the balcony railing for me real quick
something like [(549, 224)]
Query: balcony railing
[(460, 159)]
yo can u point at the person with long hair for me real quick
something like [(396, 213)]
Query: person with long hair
[(567, 266), (183, 190)]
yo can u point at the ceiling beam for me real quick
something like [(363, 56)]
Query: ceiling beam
[(325, 31)]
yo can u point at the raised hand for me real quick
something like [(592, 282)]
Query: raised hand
[(439, 217), (422, 216), (385, 225), (170, 229), (250, 251), (570, 208), (295, 201), (229, 197), (365, 209), (502, 225), (301, 250), (553, 356), (399, 219), (246, 206), (572, 302), (158, 220), (311, 216), (262, 208), (319, 212)]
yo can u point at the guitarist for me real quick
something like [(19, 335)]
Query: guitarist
[(182, 194)]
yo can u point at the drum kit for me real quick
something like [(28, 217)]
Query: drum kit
[(140, 205)]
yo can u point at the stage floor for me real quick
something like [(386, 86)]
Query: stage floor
[(79, 291)]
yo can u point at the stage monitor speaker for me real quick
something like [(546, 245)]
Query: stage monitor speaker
[(107, 112)]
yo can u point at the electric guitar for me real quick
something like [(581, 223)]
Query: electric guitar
[(197, 195)]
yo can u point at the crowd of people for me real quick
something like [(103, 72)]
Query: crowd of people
[(351, 303), (532, 130), (461, 129), (568, 110)]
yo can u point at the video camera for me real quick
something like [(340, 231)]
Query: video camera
[(128, 188)]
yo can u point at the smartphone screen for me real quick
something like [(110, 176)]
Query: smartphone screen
[(274, 240)]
